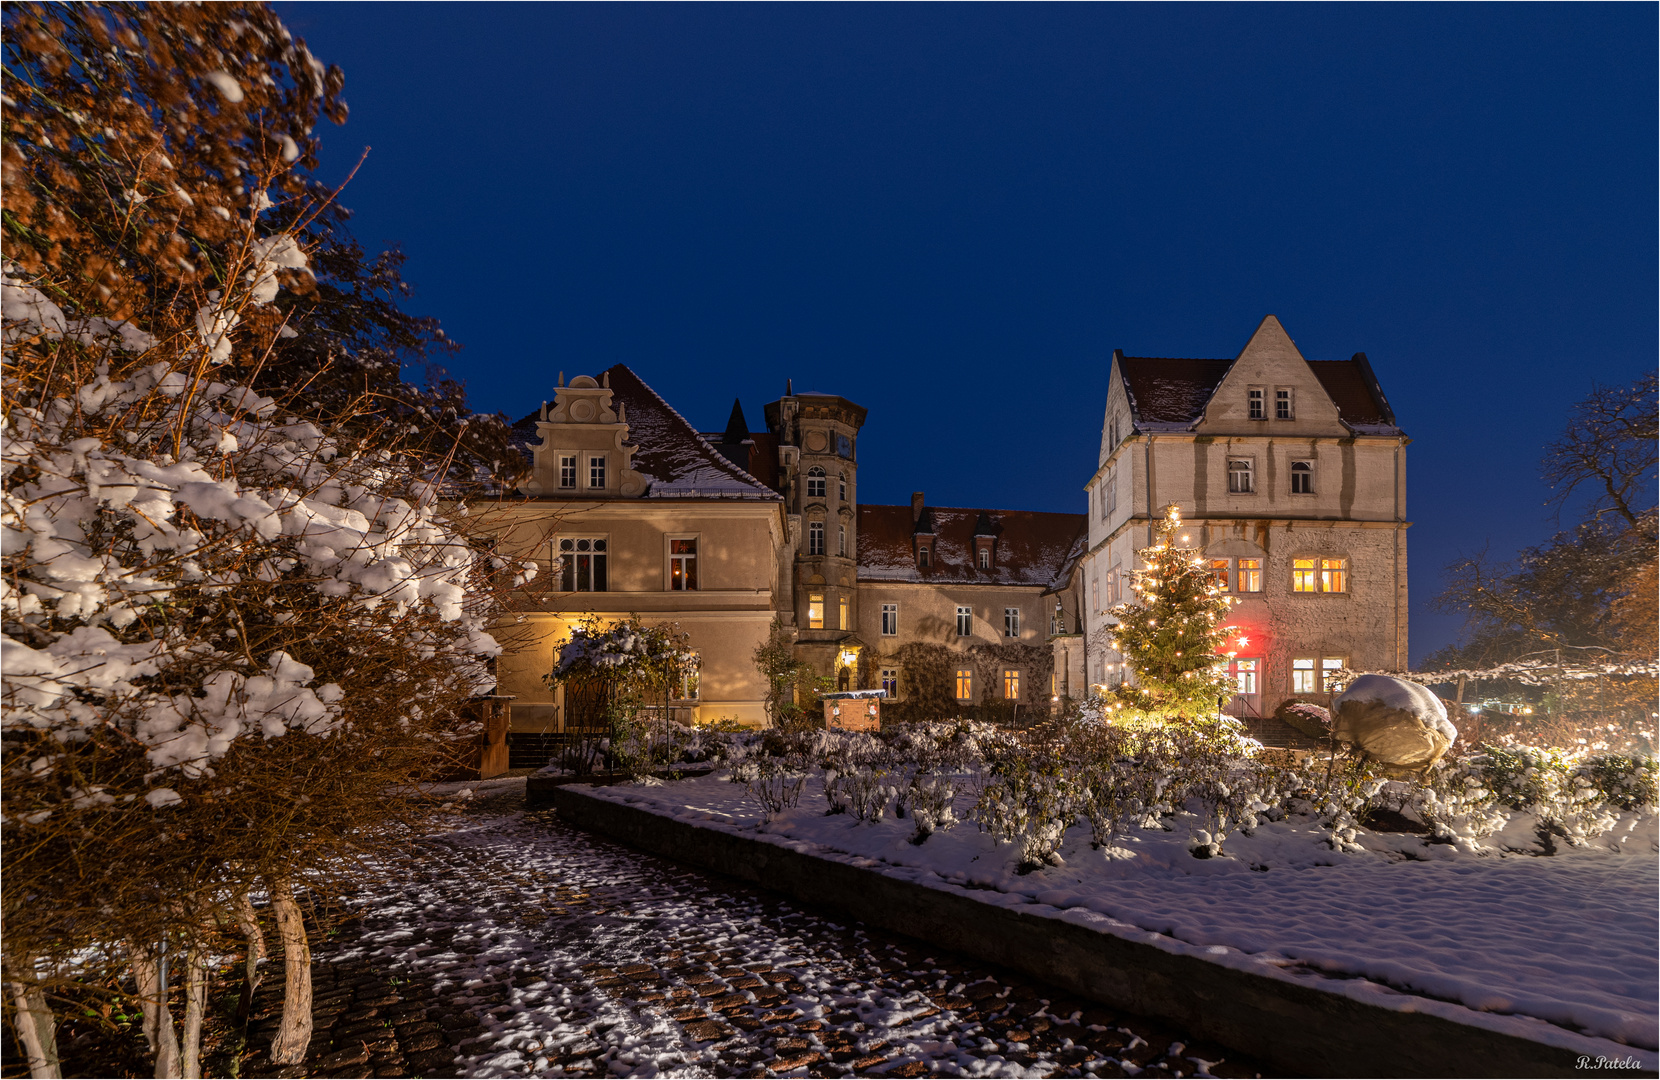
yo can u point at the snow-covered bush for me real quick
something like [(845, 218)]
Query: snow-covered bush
[(233, 621), (931, 799), (1029, 795), (774, 782)]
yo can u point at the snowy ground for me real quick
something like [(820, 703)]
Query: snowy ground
[(555, 952), (1568, 939)]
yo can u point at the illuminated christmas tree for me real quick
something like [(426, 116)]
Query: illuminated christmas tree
[(1173, 636)]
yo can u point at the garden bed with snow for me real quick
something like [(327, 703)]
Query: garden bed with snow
[(1560, 950)]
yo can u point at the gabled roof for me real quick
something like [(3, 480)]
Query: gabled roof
[(1170, 393), (676, 461), (1031, 548)]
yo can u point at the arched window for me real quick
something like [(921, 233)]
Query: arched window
[(1302, 478), (815, 483)]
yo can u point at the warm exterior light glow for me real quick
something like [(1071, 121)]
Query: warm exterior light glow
[(1243, 641)]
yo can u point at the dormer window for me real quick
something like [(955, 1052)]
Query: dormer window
[(983, 560), (1258, 403), (815, 483), (1282, 403), (923, 555)]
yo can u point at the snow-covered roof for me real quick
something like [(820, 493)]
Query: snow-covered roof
[(1032, 546), (676, 461), (1170, 393)]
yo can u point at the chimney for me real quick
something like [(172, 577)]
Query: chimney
[(916, 507)]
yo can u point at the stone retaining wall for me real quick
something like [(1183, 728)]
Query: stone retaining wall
[(1300, 1028)]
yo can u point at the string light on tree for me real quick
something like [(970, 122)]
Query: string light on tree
[(1173, 637)]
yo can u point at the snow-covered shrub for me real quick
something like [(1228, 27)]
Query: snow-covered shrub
[(776, 783), (1457, 802), (1029, 795), (931, 802), (236, 623), (1624, 781), (1343, 798)]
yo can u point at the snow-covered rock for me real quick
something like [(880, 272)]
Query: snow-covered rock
[(1397, 722)]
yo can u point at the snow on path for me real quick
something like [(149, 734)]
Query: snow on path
[(1569, 939), (580, 956)]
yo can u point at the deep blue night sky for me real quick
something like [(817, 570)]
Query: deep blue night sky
[(953, 215)]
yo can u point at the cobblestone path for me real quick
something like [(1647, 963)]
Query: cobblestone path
[(514, 945)]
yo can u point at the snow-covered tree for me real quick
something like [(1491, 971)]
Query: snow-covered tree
[(1172, 636), (235, 626)]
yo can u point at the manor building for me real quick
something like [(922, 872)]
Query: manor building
[(631, 511), (1291, 479), (1289, 472)]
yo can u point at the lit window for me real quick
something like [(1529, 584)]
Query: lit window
[(1240, 480), (965, 621), (842, 622), (984, 558), (890, 682), (815, 538), (682, 565), (815, 611), (1282, 403), (596, 471), (890, 620), (841, 487), (1011, 684), (567, 470), (1259, 410), (582, 564), (1302, 478), (1244, 676), (1302, 575), (1219, 570), (689, 680), (1011, 622), (922, 556), (841, 540), (965, 684), (1331, 668), (815, 483), (1334, 575), (1302, 676), (1250, 575)]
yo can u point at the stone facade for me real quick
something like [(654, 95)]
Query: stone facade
[(1291, 477)]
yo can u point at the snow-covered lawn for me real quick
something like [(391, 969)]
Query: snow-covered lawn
[(1569, 939)]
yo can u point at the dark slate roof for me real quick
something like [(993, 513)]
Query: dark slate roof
[(1170, 390), (1031, 548), (1171, 393), (676, 461)]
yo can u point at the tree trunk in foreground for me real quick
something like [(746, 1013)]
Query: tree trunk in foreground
[(294, 1036), (195, 1004), (248, 920), (36, 1030), (149, 968)]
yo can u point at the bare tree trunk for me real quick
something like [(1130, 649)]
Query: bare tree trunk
[(36, 1030), (248, 920), (195, 1004), (294, 1036), (150, 968)]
